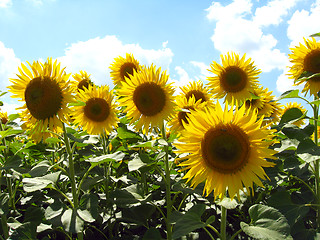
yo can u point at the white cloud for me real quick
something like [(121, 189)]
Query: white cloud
[(273, 12), (8, 66), (304, 23), (96, 55), (5, 3), (183, 79), (204, 73), (238, 30)]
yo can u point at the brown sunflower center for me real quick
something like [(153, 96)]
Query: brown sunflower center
[(225, 148), (97, 109), (197, 95), (83, 84), (149, 98), (312, 61), (127, 69), (43, 97), (233, 79), (183, 116)]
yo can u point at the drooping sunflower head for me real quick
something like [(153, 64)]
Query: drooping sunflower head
[(276, 112), (81, 81), (147, 98), (184, 108), (123, 68), (4, 117), (234, 79), (98, 113), (45, 92), (227, 149), (260, 101), (305, 59), (200, 92)]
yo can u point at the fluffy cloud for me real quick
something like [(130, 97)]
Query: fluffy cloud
[(5, 3), (96, 55), (8, 65), (182, 80), (237, 29), (303, 23)]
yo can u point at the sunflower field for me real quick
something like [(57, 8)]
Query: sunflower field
[(144, 160)]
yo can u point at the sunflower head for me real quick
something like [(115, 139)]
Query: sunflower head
[(234, 79), (148, 98), (45, 92), (305, 59), (123, 68), (259, 102), (296, 107), (184, 108), (198, 91), (98, 113), (81, 81), (4, 117), (227, 149)]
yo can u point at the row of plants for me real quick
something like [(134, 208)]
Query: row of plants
[(144, 160)]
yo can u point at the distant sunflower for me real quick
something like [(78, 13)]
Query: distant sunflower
[(235, 78), (46, 93), (98, 113), (82, 81), (297, 106), (148, 98), (200, 92), (306, 58), (4, 117), (261, 102), (276, 113), (184, 107), (227, 150), (123, 67)]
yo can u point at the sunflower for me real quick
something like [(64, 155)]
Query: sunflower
[(306, 58), (200, 92), (296, 106), (46, 93), (184, 107), (148, 98), (276, 113), (82, 81), (235, 78), (123, 67), (260, 102), (227, 150), (4, 117), (98, 113)]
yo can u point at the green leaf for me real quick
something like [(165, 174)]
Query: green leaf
[(135, 163), (292, 114), (12, 163), (288, 144), (308, 151), (13, 117), (26, 231), (71, 221), (293, 212), (40, 169), (152, 234), (117, 156), (138, 214), (89, 202), (34, 214), (315, 35), (124, 133), (54, 210), (290, 94), (266, 223), (4, 203), (189, 222), (38, 183), (10, 132), (52, 140)]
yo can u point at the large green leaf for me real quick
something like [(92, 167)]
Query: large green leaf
[(124, 133), (138, 214), (71, 221), (135, 163), (152, 234), (289, 94), (189, 221), (266, 223), (40, 169), (25, 231), (38, 183), (293, 212), (117, 156), (4, 203), (291, 114)]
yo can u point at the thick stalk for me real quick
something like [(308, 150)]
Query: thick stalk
[(168, 186), (223, 223), (317, 162), (71, 168), (4, 225)]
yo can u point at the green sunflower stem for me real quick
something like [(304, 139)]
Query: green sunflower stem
[(223, 223), (168, 185), (71, 167), (317, 162)]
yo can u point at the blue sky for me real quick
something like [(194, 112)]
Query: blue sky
[(182, 37)]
